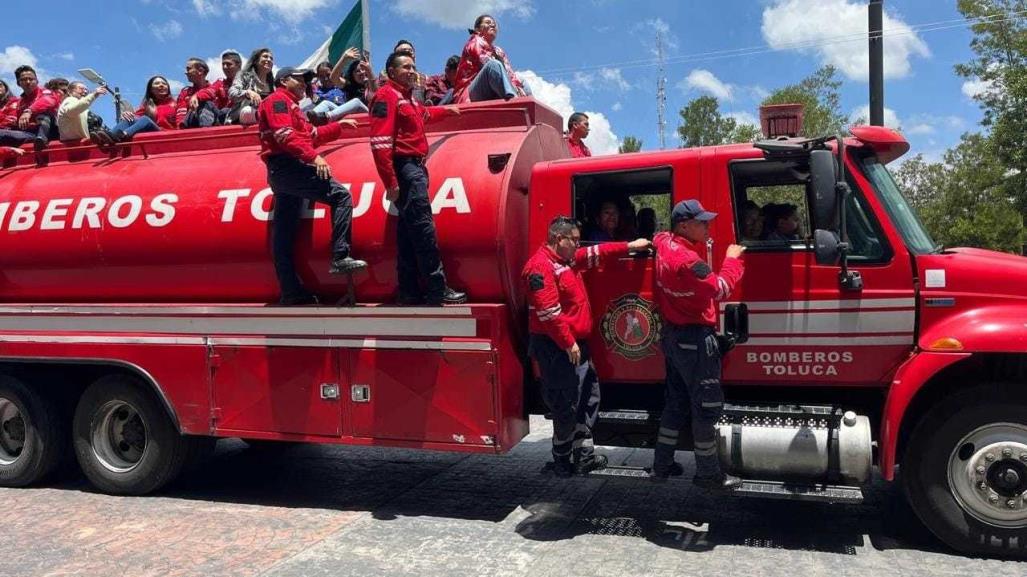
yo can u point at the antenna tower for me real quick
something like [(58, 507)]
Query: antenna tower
[(661, 93)]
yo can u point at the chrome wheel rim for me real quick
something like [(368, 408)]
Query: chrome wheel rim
[(119, 437), (12, 432), (987, 474)]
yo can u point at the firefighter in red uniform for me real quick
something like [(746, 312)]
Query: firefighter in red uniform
[(686, 293), (577, 131), (559, 320), (295, 171), (400, 148)]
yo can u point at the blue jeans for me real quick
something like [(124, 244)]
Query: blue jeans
[(292, 181), (15, 137), (417, 247), (336, 111), (571, 394), (492, 83), (132, 127)]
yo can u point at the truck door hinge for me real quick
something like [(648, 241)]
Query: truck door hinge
[(215, 416)]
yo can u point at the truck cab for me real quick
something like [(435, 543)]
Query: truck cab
[(847, 305)]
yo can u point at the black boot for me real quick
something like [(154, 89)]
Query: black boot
[(562, 467), (317, 118), (299, 300), (448, 297), (593, 462), (346, 265), (721, 482), (409, 300), (661, 473)]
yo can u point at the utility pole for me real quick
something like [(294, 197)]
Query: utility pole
[(661, 94), (875, 12)]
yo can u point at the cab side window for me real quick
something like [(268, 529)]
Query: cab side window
[(772, 211), (772, 205), (622, 205)]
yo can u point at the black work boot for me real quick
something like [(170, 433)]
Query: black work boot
[(562, 467), (317, 118), (448, 297), (586, 465), (662, 473), (721, 482), (346, 265)]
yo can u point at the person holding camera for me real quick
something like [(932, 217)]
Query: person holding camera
[(687, 294)]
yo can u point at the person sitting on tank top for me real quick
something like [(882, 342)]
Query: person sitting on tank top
[(156, 112), (340, 94), (251, 86)]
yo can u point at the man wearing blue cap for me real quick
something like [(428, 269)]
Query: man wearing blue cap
[(687, 290)]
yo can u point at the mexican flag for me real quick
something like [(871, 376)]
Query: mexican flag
[(353, 32)]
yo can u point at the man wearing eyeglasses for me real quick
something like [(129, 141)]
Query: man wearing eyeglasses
[(559, 320)]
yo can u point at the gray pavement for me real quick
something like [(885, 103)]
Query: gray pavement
[(341, 511)]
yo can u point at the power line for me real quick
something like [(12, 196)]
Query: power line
[(797, 45)]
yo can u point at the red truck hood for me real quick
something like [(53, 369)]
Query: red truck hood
[(974, 273)]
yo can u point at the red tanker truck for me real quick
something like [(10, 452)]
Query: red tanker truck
[(135, 324)]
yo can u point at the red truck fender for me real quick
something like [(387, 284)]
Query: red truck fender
[(910, 379)]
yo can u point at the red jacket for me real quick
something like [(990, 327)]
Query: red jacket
[(578, 148), (42, 101), (686, 288), (218, 92), (397, 128), (165, 112), (557, 300), (9, 113), (284, 128), (477, 52), (182, 104)]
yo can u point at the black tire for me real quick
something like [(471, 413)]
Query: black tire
[(925, 470), (150, 453), (35, 436)]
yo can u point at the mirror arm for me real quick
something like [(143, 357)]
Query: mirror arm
[(849, 280)]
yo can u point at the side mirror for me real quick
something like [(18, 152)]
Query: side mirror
[(826, 247), (736, 323), (823, 176)]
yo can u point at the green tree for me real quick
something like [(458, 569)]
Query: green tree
[(703, 125), (746, 133), (630, 144), (818, 94), (963, 200), (999, 45)]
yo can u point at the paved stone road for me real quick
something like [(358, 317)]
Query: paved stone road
[(340, 511)]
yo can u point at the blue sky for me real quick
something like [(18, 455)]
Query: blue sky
[(590, 55)]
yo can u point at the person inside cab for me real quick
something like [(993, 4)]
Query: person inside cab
[(752, 222), (782, 222), (607, 223)]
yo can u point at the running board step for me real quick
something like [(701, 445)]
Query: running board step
[(800, 492)]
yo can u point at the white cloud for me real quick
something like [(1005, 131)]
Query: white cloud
[(706, 81), (69, 56), (601, 139), (862, 114), (613, 77), (460, 14), (617, 106), (919, 128), (206, 8), (742, 117), (176, 86), (836, 30), (977, 87), (758, 92), (921, 124), (14, 56), (167, 31)]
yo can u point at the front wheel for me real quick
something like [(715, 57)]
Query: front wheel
[(965, 472), (125, 440)]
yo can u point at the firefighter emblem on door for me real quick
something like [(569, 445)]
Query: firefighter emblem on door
[(631, 327)]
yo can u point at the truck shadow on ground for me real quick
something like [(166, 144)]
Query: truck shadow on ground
[(391, 484)]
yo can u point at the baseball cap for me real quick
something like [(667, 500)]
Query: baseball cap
[(690, 209), (287, 71)]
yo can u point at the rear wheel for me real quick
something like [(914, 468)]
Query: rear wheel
[(125, 441), (32, 438), (965, 472)]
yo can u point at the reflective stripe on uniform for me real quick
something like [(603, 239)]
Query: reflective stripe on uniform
[(687, 347), (705, 448), (549, 314), (709, 382), (712, 405), (674, 293)]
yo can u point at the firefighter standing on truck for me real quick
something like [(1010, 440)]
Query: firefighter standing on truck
[(400, 148), (687, 291), (295, 171), (559, 320)]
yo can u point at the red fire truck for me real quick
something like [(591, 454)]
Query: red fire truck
[(135, 326)]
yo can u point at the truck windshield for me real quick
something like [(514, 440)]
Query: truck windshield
[(915, 236)]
